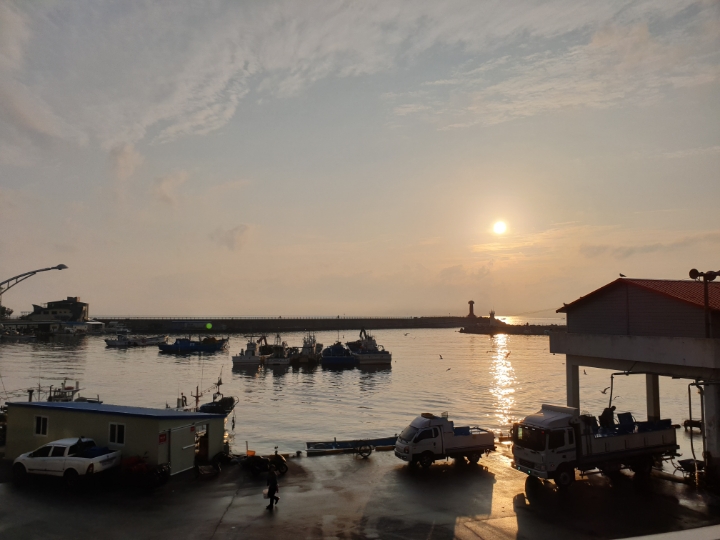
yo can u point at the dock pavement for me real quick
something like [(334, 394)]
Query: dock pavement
[(347, 497)]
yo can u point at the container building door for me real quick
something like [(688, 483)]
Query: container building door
[(177, 447)]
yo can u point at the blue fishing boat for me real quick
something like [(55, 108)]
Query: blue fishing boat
[(360, 446), (337, 355), (188, 345)]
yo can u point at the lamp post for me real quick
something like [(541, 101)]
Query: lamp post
[(707, 278), (10, 283)]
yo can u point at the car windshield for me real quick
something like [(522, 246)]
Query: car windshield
[(529, 437), (408, 434)]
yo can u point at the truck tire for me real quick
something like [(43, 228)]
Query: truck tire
[(72, 478), (426, 459), (642, 468), (282, 467), (474, 457), (564, 477), (19, 474)]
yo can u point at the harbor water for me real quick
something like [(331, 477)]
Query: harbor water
[(483, 380)]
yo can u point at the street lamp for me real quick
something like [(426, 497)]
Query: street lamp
[(10, 283), (707, 278)]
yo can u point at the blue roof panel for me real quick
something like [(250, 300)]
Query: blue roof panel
[(122, 410)]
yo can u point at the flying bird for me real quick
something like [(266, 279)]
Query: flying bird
[(605, 391), (623, 275), (507, 354), (448, 369), (406, 333), (441, 357), (615, 398), (584, 372)]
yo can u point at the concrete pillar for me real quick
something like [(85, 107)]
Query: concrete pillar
[(652, 395), (572, 383), (712, 428)]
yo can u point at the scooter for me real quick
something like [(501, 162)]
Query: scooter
[(259, 464)]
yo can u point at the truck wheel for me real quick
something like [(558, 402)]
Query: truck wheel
[(474, 457), (72, 478), (426, 459), (564, 477), (642, 469), (282, 467), (19, 474)]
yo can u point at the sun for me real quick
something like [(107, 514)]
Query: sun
[(500, 227)]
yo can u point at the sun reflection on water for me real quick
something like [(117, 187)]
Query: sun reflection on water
[(503, 387)]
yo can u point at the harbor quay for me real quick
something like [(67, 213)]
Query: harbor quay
[(345, 496)]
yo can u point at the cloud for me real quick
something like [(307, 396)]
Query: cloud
[(624, 252), (125, 159), (163, 70), (166, 187), (692, 152), (232, 239)]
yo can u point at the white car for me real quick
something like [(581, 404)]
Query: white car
[(69, 458)]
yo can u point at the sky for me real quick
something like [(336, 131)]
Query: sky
[(351, 158)]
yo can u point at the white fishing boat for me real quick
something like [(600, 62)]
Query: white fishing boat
[(311, 350), (124, 341), (367, 352), (248, 356), (279, 356)]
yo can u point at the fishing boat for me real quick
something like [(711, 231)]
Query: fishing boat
[(219, 405), (311, 351), (367, 352), (350, 446), (66, 393), (279, 355), (337, 355), (124, 341), (14, 335), (188, 345), (248, 356)]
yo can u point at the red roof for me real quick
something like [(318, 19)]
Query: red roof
[(691, 292)]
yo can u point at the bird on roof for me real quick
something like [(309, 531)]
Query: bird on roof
[(605, 391), (623, 275)]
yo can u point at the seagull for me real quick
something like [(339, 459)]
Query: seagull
[(441, 357), (584, 372), (406, 333), (507, 354), (605, 391), (448, 369), (623, 275), (615, 398)]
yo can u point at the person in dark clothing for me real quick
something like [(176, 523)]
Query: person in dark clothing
[(272, 483), (607, 418)]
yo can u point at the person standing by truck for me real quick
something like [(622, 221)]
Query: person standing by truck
[(272, 482)]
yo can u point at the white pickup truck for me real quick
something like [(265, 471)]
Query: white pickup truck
[(69, 458), (556, 440), (431, 437)]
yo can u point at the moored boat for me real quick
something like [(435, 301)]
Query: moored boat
[(248, 356), (311, 351), (188, 345), (279, 355), (337, 355), (367, 352)]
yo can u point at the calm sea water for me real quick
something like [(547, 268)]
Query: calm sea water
[(489, 381)]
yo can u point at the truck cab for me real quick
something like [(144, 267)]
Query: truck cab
[(544, 441)]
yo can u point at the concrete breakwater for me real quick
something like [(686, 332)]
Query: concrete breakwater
[(256, 325)]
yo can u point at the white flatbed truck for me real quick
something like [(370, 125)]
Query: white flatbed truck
[(70, 458), (429, 438), (556, 441)]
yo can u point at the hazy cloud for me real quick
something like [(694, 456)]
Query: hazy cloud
[(125, 159), (166, 187), (623, 252), (693, 152), (233, 239)]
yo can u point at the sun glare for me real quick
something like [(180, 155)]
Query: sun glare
[(499, 227)]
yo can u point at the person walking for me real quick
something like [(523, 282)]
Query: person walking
[(272, 482)]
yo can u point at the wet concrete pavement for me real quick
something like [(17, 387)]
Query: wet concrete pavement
[(344, 496)]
